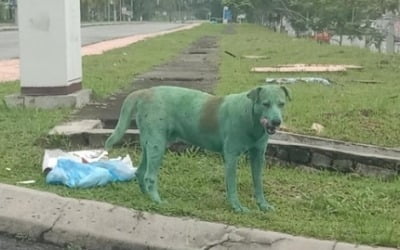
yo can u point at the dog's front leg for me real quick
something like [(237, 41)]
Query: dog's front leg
[(257, 162), (231, 157)]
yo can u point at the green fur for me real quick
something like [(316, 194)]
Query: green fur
[(229, 125)]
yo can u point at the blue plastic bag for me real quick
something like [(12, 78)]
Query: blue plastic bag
[(75, 174)]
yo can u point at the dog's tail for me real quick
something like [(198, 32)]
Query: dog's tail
[(124, 121)]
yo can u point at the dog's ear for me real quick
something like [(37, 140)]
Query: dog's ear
[(287, 93), (254, 94)]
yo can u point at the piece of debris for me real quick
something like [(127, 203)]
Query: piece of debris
[(367, 81), (353, 66), (283, 127), (286, 68), (318, 128), (85, 168), (8, 169), (347, 66), (26, 182), (255, 57), (85, 156), (299, 69), (291, 80), (229, 53)]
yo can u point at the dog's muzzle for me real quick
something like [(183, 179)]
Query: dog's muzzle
[(270, 126)]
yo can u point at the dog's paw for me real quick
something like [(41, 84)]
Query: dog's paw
[(266, 207), (240, 209), (155, 197), (163, 202), (142, 186)]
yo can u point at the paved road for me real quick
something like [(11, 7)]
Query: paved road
[(90, 34), (8, 243)]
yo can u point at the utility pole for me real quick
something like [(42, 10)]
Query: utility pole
[(390, 33), (131, 10), (15, 7), (120, 10), (114, 10), (107, 11)]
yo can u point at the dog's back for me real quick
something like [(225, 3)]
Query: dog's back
[(185, 114)]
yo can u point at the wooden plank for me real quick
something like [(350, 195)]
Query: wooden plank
[(329, 68), (301, 67)]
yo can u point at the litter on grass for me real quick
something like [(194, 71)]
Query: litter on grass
[(26, 182), (255, 57), (318, 128), (291, 80), (85, 168)]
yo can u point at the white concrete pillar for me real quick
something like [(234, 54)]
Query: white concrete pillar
[(50, 47), (225, 14)]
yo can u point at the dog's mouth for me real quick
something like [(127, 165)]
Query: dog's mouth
[(268, 126), (271, 130)]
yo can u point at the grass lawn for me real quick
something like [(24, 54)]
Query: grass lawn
[(323, 205), (359, 112)]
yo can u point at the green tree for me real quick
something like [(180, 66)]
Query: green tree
[(345, 17), (144, 9), (2, 12)]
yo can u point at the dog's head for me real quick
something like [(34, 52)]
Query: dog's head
[(268, 102)]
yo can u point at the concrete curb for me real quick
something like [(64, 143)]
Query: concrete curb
[(319, 153), (96, 225)]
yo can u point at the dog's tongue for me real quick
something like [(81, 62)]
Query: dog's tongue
[(264, 122)]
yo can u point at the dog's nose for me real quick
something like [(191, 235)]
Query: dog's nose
[(276, 122)]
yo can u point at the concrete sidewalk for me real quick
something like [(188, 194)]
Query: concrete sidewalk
[(50, 218)]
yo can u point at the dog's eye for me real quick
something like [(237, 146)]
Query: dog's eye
[(281, 104), (267, 104)]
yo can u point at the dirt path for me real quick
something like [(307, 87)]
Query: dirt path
[(196, 67)]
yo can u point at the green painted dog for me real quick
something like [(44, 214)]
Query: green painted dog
[(231, 125)]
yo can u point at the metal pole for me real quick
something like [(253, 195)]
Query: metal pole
[(106, 10), (16, 15), (120, 10), (115, 13), (390, 34), (131, 10)]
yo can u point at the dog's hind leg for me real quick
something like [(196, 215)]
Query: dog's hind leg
[(257, 162), (142, 170), (155, 149)]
